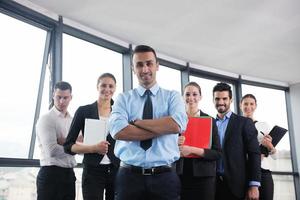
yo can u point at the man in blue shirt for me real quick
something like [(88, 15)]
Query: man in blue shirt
[(147, 146), (238, 172)]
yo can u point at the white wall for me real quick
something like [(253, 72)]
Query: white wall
[(295, 112)]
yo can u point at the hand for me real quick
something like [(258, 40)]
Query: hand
[(268, 137), (101, 147), (61, 140), (267, 142), (185, 150), (181, 140), (252, 193)]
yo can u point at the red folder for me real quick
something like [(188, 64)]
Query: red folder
[(198, 133)]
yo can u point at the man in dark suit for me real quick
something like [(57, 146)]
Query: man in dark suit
[(238, 172)]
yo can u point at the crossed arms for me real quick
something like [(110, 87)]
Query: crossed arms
[(148, 128)]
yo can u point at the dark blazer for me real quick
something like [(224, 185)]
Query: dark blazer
[(88, 111), (204, 166), (241, 154)]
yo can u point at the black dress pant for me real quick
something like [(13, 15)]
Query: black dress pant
[(55, 183), (197, 188), (96, 179), (266, 190), (135, 186), (223, 192)]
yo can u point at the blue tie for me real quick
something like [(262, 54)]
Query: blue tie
[(147, 114)]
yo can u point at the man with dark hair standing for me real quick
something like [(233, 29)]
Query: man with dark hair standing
[(145, 122), (56, 178), (238, 172)]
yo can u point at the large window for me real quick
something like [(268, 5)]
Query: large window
[(21, 50), (271, 108), (83, 63), (45, 105)]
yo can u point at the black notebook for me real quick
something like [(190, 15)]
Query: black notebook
[(276, 133)]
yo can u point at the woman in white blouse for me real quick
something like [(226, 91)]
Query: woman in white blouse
[(248, 106)]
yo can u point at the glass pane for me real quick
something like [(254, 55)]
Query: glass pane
[(167, 78), (284, 187), (20, 183), (44, 108), (270, 101), (83, 63), (21, 50), (206, 104)]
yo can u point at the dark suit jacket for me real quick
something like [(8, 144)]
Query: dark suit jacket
[(88, 111), (204, 166), (241, 154)]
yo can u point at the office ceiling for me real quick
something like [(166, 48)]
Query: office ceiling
[(257, 38)]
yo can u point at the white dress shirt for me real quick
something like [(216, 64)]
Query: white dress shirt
[(266, 162), (49, 128)]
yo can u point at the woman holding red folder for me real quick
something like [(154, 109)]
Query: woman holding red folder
[(197, 166), (266, 191)]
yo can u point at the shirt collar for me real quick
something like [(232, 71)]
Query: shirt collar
[(154, 89), (60, 114), (227, 116)]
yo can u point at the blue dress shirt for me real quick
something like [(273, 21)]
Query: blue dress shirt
[(222, 126), (129, 106)]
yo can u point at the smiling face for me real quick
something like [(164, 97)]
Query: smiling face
[(106, 88), (192, 96), (222, 101), (248, 106), (145, 67)]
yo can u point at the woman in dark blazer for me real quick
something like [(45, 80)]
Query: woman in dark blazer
[(99, 163), (266, 190), (197, 175)]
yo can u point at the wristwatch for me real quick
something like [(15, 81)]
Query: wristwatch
[(132, 122)]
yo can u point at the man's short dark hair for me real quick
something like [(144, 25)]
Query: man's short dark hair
[(62, 85), (221, 87), (143, 49)]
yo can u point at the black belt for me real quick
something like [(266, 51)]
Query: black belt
[(147, 171), (54, 167)]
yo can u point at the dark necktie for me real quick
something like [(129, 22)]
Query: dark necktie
[(147, 114)]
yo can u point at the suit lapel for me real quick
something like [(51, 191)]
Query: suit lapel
[(230, 127), (94, 111)]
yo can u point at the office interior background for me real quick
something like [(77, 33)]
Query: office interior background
[(252, 45)]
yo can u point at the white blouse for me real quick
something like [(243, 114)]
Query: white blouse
[(264, 129)]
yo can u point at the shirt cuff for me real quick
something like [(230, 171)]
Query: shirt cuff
[(254, 183)]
